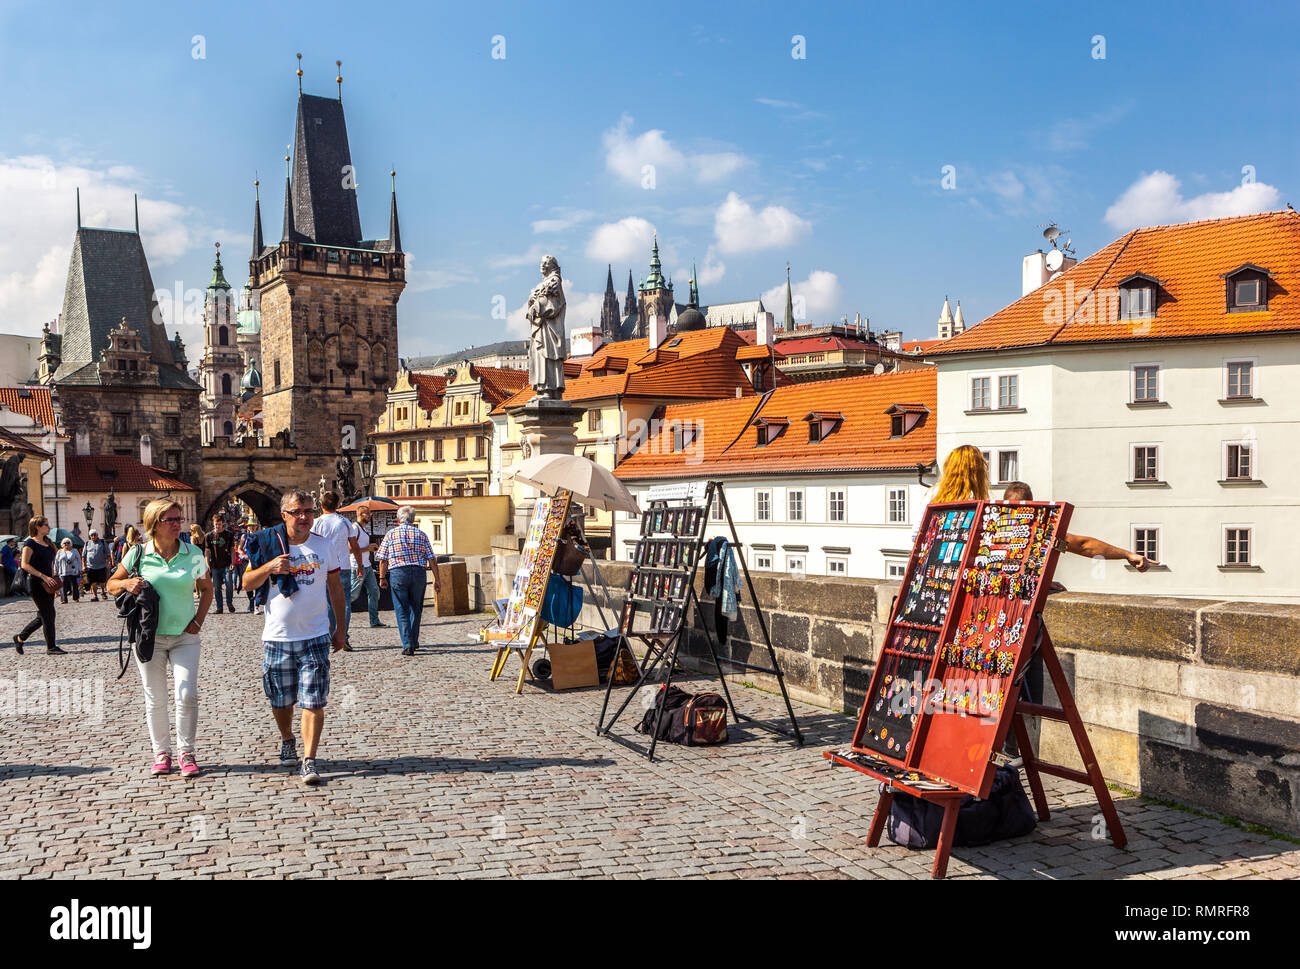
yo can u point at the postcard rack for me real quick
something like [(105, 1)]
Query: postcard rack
[(660, 592), (962, 631)]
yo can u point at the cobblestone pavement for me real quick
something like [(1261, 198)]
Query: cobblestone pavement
[(430, 770)]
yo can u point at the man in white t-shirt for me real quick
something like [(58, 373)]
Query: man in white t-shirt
[(342, 535), (296, 636)]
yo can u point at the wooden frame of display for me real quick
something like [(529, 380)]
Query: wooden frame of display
[(973, 639)]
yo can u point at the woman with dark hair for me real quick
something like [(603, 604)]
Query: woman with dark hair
[(38, 562)]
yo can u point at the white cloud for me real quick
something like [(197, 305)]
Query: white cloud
[(821, 292), (564, 219), (425, 280), (581, 309), (739, 228), (38, 222), (1156, 199), (625, 241), (627, 155)]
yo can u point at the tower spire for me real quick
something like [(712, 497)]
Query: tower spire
[(79, 209), (136, 200), (299, 75), (394, 232), (695, 291), (257, 219), (339, 79), (610, 323), (789, 301), (287, 234)]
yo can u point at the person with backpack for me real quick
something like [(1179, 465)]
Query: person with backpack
[(175, 569), (219, 546)]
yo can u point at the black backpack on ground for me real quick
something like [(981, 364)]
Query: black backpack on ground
[(690, 719), (1005, 813)]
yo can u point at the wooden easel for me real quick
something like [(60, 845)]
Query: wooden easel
[(523, 650), (1067, 713)]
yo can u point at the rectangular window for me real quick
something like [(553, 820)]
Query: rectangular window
[(763, 563), (478, 493), (980, 397), (277, 374), (1139, 300), (174, 461), (593, 420), (121, 424), (1240, 374), (895, 569), (1146, 541), (835, 505), (794, 505), (897, 506), (1008, 466), (1248, 292), (715, 509), (1240, 462), (460, 449), (1146, 462), (762, 435), (437, 449), (393, 490), (480, 447), (422, 449), (837, 566), (437, 531), (415, 489), (794, 565), (172, 425), (1236, 546), (1009, 391), (435, 489), (763, 506), (397, 453), (1146, 383)]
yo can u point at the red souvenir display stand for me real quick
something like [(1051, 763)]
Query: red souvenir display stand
[(946, 689)]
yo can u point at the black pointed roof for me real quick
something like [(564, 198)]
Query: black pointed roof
[(324, 196), (258, 245), (108, 279), (611, 320), (394, 230)]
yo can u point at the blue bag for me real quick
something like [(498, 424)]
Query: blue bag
[(563, 602)]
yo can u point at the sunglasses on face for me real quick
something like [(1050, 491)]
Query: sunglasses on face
[(300, 512)]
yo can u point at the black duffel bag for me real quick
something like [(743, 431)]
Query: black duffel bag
[(1005, 813)]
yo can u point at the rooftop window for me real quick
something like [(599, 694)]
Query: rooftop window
[(1247, 289)]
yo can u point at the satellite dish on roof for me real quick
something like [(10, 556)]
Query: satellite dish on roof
[(878, 368), (1050, 234), (1055, 259)]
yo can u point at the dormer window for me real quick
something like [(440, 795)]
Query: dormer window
[(822, 425), (904, 418), (1137, 296), (769, 429), (1247, 288)]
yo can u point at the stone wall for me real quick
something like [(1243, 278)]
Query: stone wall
[(147, 410), (1197, 701)]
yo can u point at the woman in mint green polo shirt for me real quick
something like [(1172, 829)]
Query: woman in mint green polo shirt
[(174, 569)]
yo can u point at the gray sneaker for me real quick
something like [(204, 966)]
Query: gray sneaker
[(288, 752), (309, 775)]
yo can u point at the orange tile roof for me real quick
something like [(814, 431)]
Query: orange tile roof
[(35, 402), (920, 346), (1190, 259), (727, 443), (758, 352), (100, 472), (12, 441), (499, 383), (701, 365), (429, 390)]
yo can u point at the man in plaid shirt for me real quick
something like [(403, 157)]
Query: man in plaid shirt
[(403, 556)]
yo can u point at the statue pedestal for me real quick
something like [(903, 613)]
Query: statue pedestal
[(546, 427)]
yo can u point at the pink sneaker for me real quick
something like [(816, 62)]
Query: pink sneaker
[(162, 764), (189, 769)]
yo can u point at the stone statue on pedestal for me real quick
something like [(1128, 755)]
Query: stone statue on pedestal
[(110, 513), (343, 478), (20, 511), (545, 312)]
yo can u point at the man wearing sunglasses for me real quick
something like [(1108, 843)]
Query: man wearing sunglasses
[(303, 571)]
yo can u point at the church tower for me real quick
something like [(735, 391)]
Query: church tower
[(656, 295), (221, 364), (327, 297), (611, 324)]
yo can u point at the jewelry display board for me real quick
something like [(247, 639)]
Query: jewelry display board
[(661, 588), (962, 631), (521, 625)]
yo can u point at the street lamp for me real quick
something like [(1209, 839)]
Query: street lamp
[(89, 512), (367, 463)]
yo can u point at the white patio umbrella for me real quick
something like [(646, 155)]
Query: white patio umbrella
[(590, 483)]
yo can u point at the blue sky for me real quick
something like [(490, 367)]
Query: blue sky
[(833, 161)]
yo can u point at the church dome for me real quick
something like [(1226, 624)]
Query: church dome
[(249, 318), (691, 319), (252, 379)]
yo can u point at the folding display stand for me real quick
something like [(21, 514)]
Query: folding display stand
[(660, 591), (946, 689)]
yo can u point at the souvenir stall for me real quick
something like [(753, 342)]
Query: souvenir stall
[(946, 689)]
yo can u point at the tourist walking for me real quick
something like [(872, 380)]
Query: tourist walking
[(220, 546), (239, 556), (95, 556), (175, 570), (365, 578), (130, 538), (341, 534), (9, 562), (403, 556), (303, 572), (38, 563), (67, 566)]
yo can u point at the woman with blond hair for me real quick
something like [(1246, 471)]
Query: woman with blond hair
[(174, 569), (965, 476)]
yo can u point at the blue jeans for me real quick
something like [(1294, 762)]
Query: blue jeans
[(224, 579), (345, 578), (407, 583), (371, 584)]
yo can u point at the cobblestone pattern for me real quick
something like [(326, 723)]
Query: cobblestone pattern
[(431, 770)]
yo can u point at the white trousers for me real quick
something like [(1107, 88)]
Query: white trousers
[(182, 650)]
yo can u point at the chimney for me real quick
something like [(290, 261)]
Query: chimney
[(146, 450), (656, 330), (765, 326), (1033, 272), (586, 341)]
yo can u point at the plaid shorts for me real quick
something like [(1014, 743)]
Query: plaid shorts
[(297, 671)]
